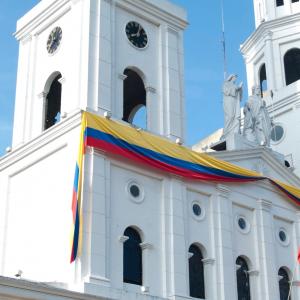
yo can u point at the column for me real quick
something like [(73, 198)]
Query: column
[(270, 71), (106, 57), (171, 117), (266, 252), (176, 252), (146, 248), (254, 284), (222, 210), (94, 261), (64, 109), (43, 98), (209, 278), (152, 117), (118, 107)]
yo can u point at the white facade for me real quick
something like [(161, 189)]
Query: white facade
[(277, 33), (36, 178)]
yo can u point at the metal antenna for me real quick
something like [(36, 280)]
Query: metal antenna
[(223, 40)]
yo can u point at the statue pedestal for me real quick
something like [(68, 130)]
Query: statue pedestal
[(238, 142)]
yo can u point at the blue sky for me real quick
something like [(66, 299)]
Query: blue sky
[(203, 60)]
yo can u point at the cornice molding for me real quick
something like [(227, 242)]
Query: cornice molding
[(282, 103), (27, 25), (264, 28), (154, 11), (42, 140), (11, 288)]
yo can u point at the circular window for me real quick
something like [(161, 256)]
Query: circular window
[(198, 211), (242, 224), (277, 133), (135, 191), (283, 237)]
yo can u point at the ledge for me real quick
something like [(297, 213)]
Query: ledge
[(72, 121), (265, 27)]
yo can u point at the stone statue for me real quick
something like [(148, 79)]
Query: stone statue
[(232, 96), (257, 122), (266, 125)]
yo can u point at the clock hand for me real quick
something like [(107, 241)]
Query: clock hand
[(139, 31)]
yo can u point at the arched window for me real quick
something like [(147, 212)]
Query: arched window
[(279, 2), (53, 103), (134, 97), (263, 79), (292, 65), (132, 257), (284, 284), (242, 277), (196, 273)]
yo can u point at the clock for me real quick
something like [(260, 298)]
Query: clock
[(136, 34), (54, 40)]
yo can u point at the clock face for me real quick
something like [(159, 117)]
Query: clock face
[(136, 35), (54, 40)]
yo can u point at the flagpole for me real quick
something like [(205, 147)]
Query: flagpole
[(223, 41)]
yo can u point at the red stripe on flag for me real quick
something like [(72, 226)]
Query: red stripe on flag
[(103, 145)]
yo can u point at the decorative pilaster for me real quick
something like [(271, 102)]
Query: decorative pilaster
[(209, 277), (29, 128), (225, 285), (268, 283), (175, 255), (151, 101), (146, 248), (270, 72), (94, 252)]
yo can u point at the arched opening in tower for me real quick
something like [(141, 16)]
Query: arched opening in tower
[(263, 80), (292, 65), (53, 103), (134, 99)]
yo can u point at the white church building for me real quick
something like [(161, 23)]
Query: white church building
[(152, 226)]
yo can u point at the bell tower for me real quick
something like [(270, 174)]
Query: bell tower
[(123, 57), (268, 10), (272, 58)]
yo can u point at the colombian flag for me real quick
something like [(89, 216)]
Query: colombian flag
[(158, 153)]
